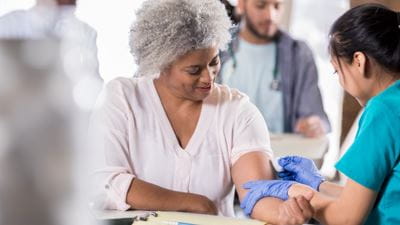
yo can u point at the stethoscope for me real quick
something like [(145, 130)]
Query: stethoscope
[(275, 83)]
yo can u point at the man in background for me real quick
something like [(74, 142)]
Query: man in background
[(277, 72), (56, 19)]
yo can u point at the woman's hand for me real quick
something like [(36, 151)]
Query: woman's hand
[(295, 211), (198, 204), (300, 190)]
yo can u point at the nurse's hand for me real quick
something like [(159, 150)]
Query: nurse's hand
[(198, 204), (311, 126), (302, 170), (264, 188), (295, 211)]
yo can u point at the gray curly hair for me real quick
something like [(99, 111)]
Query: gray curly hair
[(167, 29)]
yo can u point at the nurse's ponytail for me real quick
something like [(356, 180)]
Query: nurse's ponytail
[(372, 29)]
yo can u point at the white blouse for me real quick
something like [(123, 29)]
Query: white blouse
[(137, 140)]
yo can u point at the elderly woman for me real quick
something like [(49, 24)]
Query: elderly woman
[(172, 139)]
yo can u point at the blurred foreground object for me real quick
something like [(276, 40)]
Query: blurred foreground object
[(77, 41), (34, 116), (39, 124)]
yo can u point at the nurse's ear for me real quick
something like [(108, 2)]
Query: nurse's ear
[(360, 63)]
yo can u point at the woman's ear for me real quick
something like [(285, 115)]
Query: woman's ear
[(239, 7), (360, 63)]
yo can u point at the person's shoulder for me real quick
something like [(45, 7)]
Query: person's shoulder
[(85, 27), (387, 102), (120, 91), (232, 103), (124, 84), (297, 45), (228, 95), (80, 26), (14, 16)]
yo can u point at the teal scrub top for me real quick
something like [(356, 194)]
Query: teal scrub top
[(373, 158)]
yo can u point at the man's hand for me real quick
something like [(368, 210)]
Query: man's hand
[(299, 169), (311, 126)]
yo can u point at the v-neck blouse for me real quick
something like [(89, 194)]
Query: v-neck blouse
[(135, 139), (204, 121)]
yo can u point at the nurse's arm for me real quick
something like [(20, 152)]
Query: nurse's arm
[(256, 166), (351, 207), (331, 189), (146, 196)]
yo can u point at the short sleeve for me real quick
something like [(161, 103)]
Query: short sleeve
[(372, 156), (250, 132), (109, 149)]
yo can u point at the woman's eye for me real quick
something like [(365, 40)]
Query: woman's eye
[(214, 63), (193, 71)]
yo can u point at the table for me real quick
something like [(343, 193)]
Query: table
[(160, 217), (295, 144)]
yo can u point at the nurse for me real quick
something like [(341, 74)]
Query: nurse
[(365, 50), (170, 138)]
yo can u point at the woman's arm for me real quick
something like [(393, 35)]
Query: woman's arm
[(353, 204), (146, 196), (256, 166)]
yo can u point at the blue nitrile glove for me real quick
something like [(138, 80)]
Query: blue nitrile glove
[(300, 169), (264, 188)]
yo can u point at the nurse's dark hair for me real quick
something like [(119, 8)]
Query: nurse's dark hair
[(372, 29)]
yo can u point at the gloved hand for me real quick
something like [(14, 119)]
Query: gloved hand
[(264, 188), (300, 169)]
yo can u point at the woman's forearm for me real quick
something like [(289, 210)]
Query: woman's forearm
[(267, 210), (146, 196)]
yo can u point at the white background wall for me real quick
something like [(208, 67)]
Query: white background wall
[(112, 20)]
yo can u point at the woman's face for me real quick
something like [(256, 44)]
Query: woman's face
[(192, 75), (353, 79)]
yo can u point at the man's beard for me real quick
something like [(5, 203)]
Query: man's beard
[(252, 28)]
